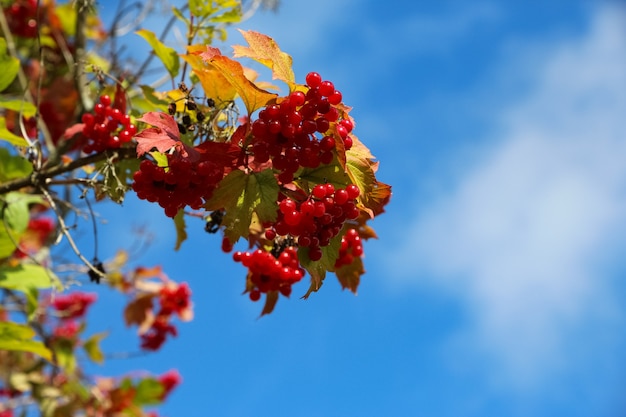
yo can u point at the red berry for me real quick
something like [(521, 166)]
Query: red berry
[(293, 218), (326, 88), (319, 191), (335, 98), (353, 191), (287, 205), (270, 234), (341, 197), (313, 79), (105, 100), (297, 98), (315, 253), (255, 295), (347, 143)]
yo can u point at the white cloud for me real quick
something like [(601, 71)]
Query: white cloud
[(527, 237)]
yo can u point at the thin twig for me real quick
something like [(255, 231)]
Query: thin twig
[(67, 234)]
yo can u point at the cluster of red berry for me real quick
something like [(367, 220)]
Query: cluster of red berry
[(182, 183), (316, 220), (351, 247), (74, 305), (22, 18), (285, 133), (270, 273), (173, 299), (108, 127), (69, 308)]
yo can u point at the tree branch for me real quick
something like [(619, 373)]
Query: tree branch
[(42, 176)]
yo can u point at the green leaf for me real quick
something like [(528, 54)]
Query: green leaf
[(307, 178), (181, 233), (32, 302), (66, 14), (18, 337), (242, 194), (23, 277), (64, 354), (10, 66), (18, 105), (179, 14), (167, 55), (92, 347), (13, 166), (318, 269), (14, 210), (7, 239), (149, 391), (7, 135)]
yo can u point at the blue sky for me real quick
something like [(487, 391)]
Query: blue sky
[(496, 286)]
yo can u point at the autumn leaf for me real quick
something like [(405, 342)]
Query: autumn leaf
[(252, 96), (349, 276), (224, 154), (361, 168), (214, 84), (378, 198), (271, 299), (241, 195), (162, 137), (139, 312), (265, 50)]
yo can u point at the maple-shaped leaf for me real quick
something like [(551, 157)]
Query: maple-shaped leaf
[(162, 137), (265, 50), (240, 195), (349, 276), (224, 154), (214, 84), (253, 97)]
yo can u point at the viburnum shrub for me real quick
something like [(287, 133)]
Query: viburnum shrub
[(281, 178)]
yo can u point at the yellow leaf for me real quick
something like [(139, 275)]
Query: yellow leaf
[(252, 96), (264, 49), (214, 84)]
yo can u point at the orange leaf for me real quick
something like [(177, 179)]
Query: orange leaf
[(139, 312), (214, 84), (270, 302), (264, 49), (252, 96), (350, 275)]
